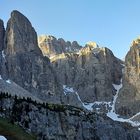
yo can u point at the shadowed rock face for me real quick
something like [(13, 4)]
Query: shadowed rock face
[(25, 63), (129, 97), (2, 33), (65, 122), (20, 35)]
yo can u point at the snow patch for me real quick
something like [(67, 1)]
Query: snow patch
[(8, 81), (117, 88), (67, 90), (111, 113), (78, 97), (2, 138), (135, 115), (3, 55), (88, 106), (123, 65)]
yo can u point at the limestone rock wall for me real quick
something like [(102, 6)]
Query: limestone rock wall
[(51, 46), (23, 60), (128, 102), (2, 34), (91, 72)]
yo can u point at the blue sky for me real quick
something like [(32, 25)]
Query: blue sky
[(110, 23)]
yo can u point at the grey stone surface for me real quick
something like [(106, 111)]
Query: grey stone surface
[(68, 124), (2, 33), (128, 102), (24, 63), (91, 72), (51, 46)]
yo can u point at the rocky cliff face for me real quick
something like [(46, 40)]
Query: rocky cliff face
[(24, 63), (66, 73), (90, 71), (51, 46), (20, 35), (2, 33), (129, 97)]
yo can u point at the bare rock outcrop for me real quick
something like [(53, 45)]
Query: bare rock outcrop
[(51, 46), (128, 102), (91, 72), (24, 61), (2, 33)]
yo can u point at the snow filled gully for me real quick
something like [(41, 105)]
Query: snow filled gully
[(111, 113)]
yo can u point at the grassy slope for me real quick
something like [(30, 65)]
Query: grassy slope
[(13, 132)]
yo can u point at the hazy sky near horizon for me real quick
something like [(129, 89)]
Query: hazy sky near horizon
[(110, 23)]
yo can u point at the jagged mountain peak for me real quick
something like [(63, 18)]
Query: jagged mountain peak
[(20, 35), (43, 38), (15, 14), (22, 61), (92, 44), (136, 42), (51, 46)]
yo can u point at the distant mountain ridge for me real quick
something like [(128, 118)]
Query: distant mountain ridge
[(51, 46)]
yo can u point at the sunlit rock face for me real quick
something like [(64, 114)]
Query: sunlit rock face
[(129, 97), (51, 46), (91, 44), (90, 71), (25, 64)]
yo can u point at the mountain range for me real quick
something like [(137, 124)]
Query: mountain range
[(60, 90)]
